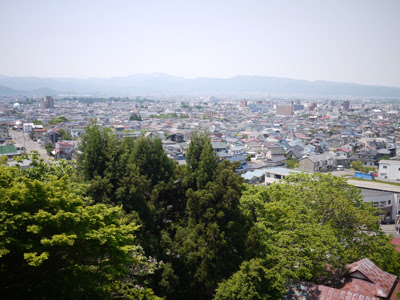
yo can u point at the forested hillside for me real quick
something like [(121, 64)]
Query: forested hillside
[(128, 223)]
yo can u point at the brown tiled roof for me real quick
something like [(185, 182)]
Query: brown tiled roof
[(378, 283), (396, 290), (311, 291)]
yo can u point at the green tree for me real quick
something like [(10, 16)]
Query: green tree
[(292, 163), (54, 243), (92, 161), (384, 157), (300, 226), (49, 147), (149, 156), (37, 122), (135, 117), (60, 119), (357, 165), (65, 135), (253, 281), (211, 243)]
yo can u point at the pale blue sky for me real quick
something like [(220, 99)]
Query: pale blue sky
[(347, 41)]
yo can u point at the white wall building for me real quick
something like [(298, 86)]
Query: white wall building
[(389, 169)]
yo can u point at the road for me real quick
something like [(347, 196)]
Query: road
[(390, 229), (24, 140)]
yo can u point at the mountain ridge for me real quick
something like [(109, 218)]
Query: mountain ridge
[(160, 83)]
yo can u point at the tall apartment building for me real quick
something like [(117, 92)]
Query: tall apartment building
[(312, 106), (346, 105), (48, 102)]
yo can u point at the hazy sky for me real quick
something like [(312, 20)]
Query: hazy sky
[(347, 41)]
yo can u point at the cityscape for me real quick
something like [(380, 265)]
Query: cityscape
[(200, 151)]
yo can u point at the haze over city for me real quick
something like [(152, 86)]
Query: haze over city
[(342, 41)]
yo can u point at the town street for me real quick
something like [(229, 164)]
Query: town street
[(24, 140)]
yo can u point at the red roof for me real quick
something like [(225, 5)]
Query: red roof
[(344, 150), (396, 241), (368, 279), (306, 291)]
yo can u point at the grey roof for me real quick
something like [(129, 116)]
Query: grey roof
[(391, 162), (282, 171), (323, 156), (383, 151)]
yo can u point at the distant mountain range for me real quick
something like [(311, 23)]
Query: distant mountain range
[(163, 84)]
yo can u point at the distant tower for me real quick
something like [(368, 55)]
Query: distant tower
[(48, 102), (312, 106), (346, 105)]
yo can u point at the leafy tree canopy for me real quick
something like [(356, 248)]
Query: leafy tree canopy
[(54, 243)]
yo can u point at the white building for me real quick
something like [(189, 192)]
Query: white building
[(28, 127), (275, 174), (389, 169), (386, 201)]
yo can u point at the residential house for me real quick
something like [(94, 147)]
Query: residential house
[(176, 137), (368, 157), (77, 132), (318, 163), (219, 146), (65, 150), (334, 143), (51, 136), (363, 280), (344, 152), (236, 150), (38, 134)]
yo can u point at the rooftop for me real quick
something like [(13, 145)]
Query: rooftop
[(282, 171)]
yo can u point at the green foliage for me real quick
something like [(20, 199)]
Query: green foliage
[(185, 105), (94, 145), (58, 120), (169, 116), (292, 163), (135, 117), (64, 135), (211, 238), (49, 147), (384, 157), (37, 122), (248, 158), (220, 237), (149, 156), (253, 281), (301, 226), (357, 165), (54, 243)]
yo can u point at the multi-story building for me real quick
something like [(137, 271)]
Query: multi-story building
[(286, 110), (48, 102), (3, 132), (346, 105), (389, 169)]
